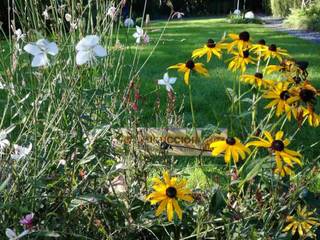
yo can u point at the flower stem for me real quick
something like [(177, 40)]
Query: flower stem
[(192, 109)]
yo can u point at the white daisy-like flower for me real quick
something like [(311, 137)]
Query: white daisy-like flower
[(20, 152), (88, 49), (12, 235), (167, 81), (129, 23), (40, 50)]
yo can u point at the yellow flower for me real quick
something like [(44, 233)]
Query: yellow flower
[(307, 93), (211, 48), (240, 61), (313, 118), (168, 193), (242, 41), (256, 80), (189, 66), (285, 158), (274, 52), (282, 98), (302, 223), (284, 67), (231, 147), (259, 47)]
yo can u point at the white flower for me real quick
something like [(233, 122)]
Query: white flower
[(4, 142), (39, 50), (237, 12), (88, 49), (141, 35), (128, 23), (2, 85), (11, 234), (21, 152), (112, 12), (45, 14), (167, 81), (19, 35), (249, 15), (62, 162), (68, 17)]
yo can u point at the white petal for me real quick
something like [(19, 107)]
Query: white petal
[(169, 87), (10, 233), (172, 80), (32, 49), (138, 41), (136, 35), (166, 77), (87, 42), (161, 82), (40, 60), (52, 49), (24, 233), (139, 30), (83, 57), (99, 51)]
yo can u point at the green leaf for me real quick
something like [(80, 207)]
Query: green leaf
[(218, 201), (5, 183)]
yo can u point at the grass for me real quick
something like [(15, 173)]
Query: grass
[(211, 102)]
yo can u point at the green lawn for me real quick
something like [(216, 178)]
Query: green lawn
[(209, 94)]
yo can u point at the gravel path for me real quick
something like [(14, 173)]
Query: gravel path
[(277, 24)]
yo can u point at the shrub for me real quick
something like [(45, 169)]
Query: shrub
[(281, 8), (305, 18)]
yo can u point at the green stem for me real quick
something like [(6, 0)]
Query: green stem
[(192, 109)]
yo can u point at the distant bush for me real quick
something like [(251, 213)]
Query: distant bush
[(281, 8), (240, 20), (305, 18)]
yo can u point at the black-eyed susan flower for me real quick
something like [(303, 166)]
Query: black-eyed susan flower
[(258, 47), (231, 147), (240, 61), (189, 66), (168, 193), (284, 67), (256, 80), (241, 41), (278, 146), (282, 99), (274, 52), (302, 222), (307, 93), (312, 117), (211, 48)]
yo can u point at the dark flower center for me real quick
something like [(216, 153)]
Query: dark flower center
[(284, 95), (303, 65), (273, 47), (307, 95), (190, 64), (246, 54), (231, 141), (171, 192), (277, 145), (211, 43), (297, 79), (262, 42), (259, 75), (244, 36)]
